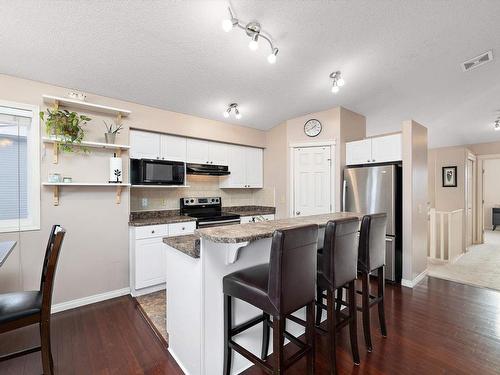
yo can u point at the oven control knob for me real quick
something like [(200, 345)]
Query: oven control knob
[(192, 200), (212, 200)]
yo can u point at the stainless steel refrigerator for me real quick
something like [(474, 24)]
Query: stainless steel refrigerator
[(375, 189)]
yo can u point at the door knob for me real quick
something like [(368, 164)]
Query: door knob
[(297, 213)]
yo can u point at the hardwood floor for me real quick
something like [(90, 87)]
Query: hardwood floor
[(439, 327)]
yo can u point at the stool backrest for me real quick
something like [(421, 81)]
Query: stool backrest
[(372, 242), (340, 251), (292, 269), (49, 267)]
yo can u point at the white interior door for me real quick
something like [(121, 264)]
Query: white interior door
[(312, 181)]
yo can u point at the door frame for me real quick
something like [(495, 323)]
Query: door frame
[(480, 195), (473, 158), (291, 180)]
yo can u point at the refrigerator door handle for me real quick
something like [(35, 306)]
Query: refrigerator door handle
[(344, 193)]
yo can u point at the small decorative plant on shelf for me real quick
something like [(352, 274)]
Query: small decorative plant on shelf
[(112, 129), (65, 126)]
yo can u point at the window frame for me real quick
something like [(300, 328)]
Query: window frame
[(32, 222)]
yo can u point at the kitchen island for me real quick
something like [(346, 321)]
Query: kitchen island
[(196, 265)]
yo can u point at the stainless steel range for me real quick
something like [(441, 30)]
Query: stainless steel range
[(208, 212)]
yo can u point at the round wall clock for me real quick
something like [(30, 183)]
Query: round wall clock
[(312, 127)]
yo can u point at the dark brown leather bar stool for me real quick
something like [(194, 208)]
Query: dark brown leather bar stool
[(21, 309), (279, 288), (337, 267), (372, 258)]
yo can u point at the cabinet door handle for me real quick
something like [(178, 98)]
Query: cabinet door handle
[(297, 213), (368, 160), (152, 231), (183, 228)]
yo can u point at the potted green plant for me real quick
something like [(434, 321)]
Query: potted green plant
[(65, 126), (112, 129)]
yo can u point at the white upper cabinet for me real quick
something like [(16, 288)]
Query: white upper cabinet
[(388, 148), (217, 153), (197, 151), (246, 167), (173, 148), (358, 152), (236, 164), (144, 145), (253, 167), (374, 150)]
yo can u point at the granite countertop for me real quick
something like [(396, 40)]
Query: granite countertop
[(265, 229), (188, 244), (142, 218), (250, 210)]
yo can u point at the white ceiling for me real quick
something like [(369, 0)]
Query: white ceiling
[(400, 59)]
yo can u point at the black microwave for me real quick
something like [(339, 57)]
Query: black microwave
[(157, 172)]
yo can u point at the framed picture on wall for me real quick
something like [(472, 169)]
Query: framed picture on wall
[(450, 176)]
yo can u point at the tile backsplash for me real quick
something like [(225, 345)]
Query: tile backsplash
[(199, 186)]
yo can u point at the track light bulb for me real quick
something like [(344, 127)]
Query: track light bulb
[(225, 114), (237, 114), (272, 57), (340, 82), (227, 25), (335, 89), (254, 44)]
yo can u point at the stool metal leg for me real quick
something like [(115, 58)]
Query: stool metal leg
[(381, 309), (353, 322), (227, 334), (266, 326), (365, 309)]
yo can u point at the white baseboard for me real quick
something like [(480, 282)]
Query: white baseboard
[(58, 307), (415, 281), (149, 289), (184, 370)]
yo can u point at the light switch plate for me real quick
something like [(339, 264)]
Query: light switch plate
[(144, 202)]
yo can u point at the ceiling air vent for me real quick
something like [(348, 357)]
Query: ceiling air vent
[(477, 61)]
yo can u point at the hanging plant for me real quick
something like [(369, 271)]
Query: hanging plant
[(65, 126)]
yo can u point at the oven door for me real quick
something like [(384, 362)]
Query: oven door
[(161, 172)]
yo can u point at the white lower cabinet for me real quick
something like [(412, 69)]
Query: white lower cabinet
[(256, 218), (148, 254), (150, 266)]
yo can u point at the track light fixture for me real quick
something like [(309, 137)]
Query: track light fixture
[(231, 107), (338, 81), (253, 30), (497, 124)]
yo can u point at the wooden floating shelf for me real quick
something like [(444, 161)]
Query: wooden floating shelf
[(67, 102), (57, 142), (57, 185), (160, 186)]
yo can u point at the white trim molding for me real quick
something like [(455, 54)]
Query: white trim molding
[(413, 283), (63, 306)]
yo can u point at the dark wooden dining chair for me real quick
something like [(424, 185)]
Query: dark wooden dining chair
[(21, 309)]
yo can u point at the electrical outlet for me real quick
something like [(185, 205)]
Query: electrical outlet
[(164, 202), (144, 202)]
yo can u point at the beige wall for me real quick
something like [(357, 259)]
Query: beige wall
[(415, 174), (447, 198), (339, 124), (275, 167), (95, 254)]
